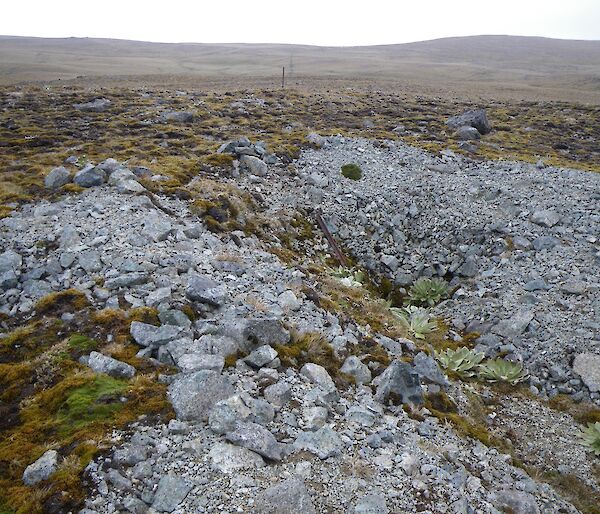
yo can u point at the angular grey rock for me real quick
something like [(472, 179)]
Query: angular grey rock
[(278, 394), (10, 261), (110, 165), (363, 415), (8, 280), (171, 491), (203, 289), (130, 456), (191, 362), (475, 118), (113, 367), (126, 280), (545, 243), (575, 287), (315, 417), (516, 502), (129, 187), (228, 458), (192, 396), (266, 331), (324, 443), (401, 380), (289, 301), (536, 285), (467, 134), (469, 268), (318, 375), (354, 367), (89, 176), (287, 497), (97, 105), (514, 326), (178, 116), (157, 228), (545, 218), (371, 504), (120, 175), (256, 438), (587, 366), (261, 356), (316, 139), (118, 481), (58, 177), (41, 469), (150, 335), (226, 414), (428, 369), (254, 165), (175, 317)]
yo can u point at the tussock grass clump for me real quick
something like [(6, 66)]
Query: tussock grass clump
[(70, 300), (352, 171), (312, 347)]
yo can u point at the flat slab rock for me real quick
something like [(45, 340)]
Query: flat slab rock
[(289, 496), (192, 396), (587, 366)]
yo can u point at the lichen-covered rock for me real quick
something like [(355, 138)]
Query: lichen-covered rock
[(58, 177), (41, 469), (90, 176), (192, 396)]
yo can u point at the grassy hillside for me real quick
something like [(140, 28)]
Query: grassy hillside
[(467, 63)]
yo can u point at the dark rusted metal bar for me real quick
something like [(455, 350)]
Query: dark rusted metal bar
[(335, 249)]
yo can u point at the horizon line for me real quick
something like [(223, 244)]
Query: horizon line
[(7, 36)]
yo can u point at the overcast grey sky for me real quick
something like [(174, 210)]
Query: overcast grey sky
[(317, 22)]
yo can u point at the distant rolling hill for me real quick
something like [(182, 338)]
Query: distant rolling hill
[(506, 61)]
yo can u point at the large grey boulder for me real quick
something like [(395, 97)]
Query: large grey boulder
[(254, 165), (110, 165), (587, 366), (41, 469), (358, 370), (113, 367), (145, 334), (316, 139), (97, 105), (119, 175), (400, 380), (265, 331), (256, 438), (171, 491), (517, 502), (287, 497), (324, 443), (58, 177), (190, 362), (467, 134), (228, 458), (278, 394), (157, 228), (428, 369), (477, 119), (226, 414), (261, 356), (89, 176), (514, 326), (10, 261), (204, 289), (192, 396), (318, 375), (545, 218)]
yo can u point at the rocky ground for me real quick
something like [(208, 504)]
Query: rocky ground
[(185, 342)]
